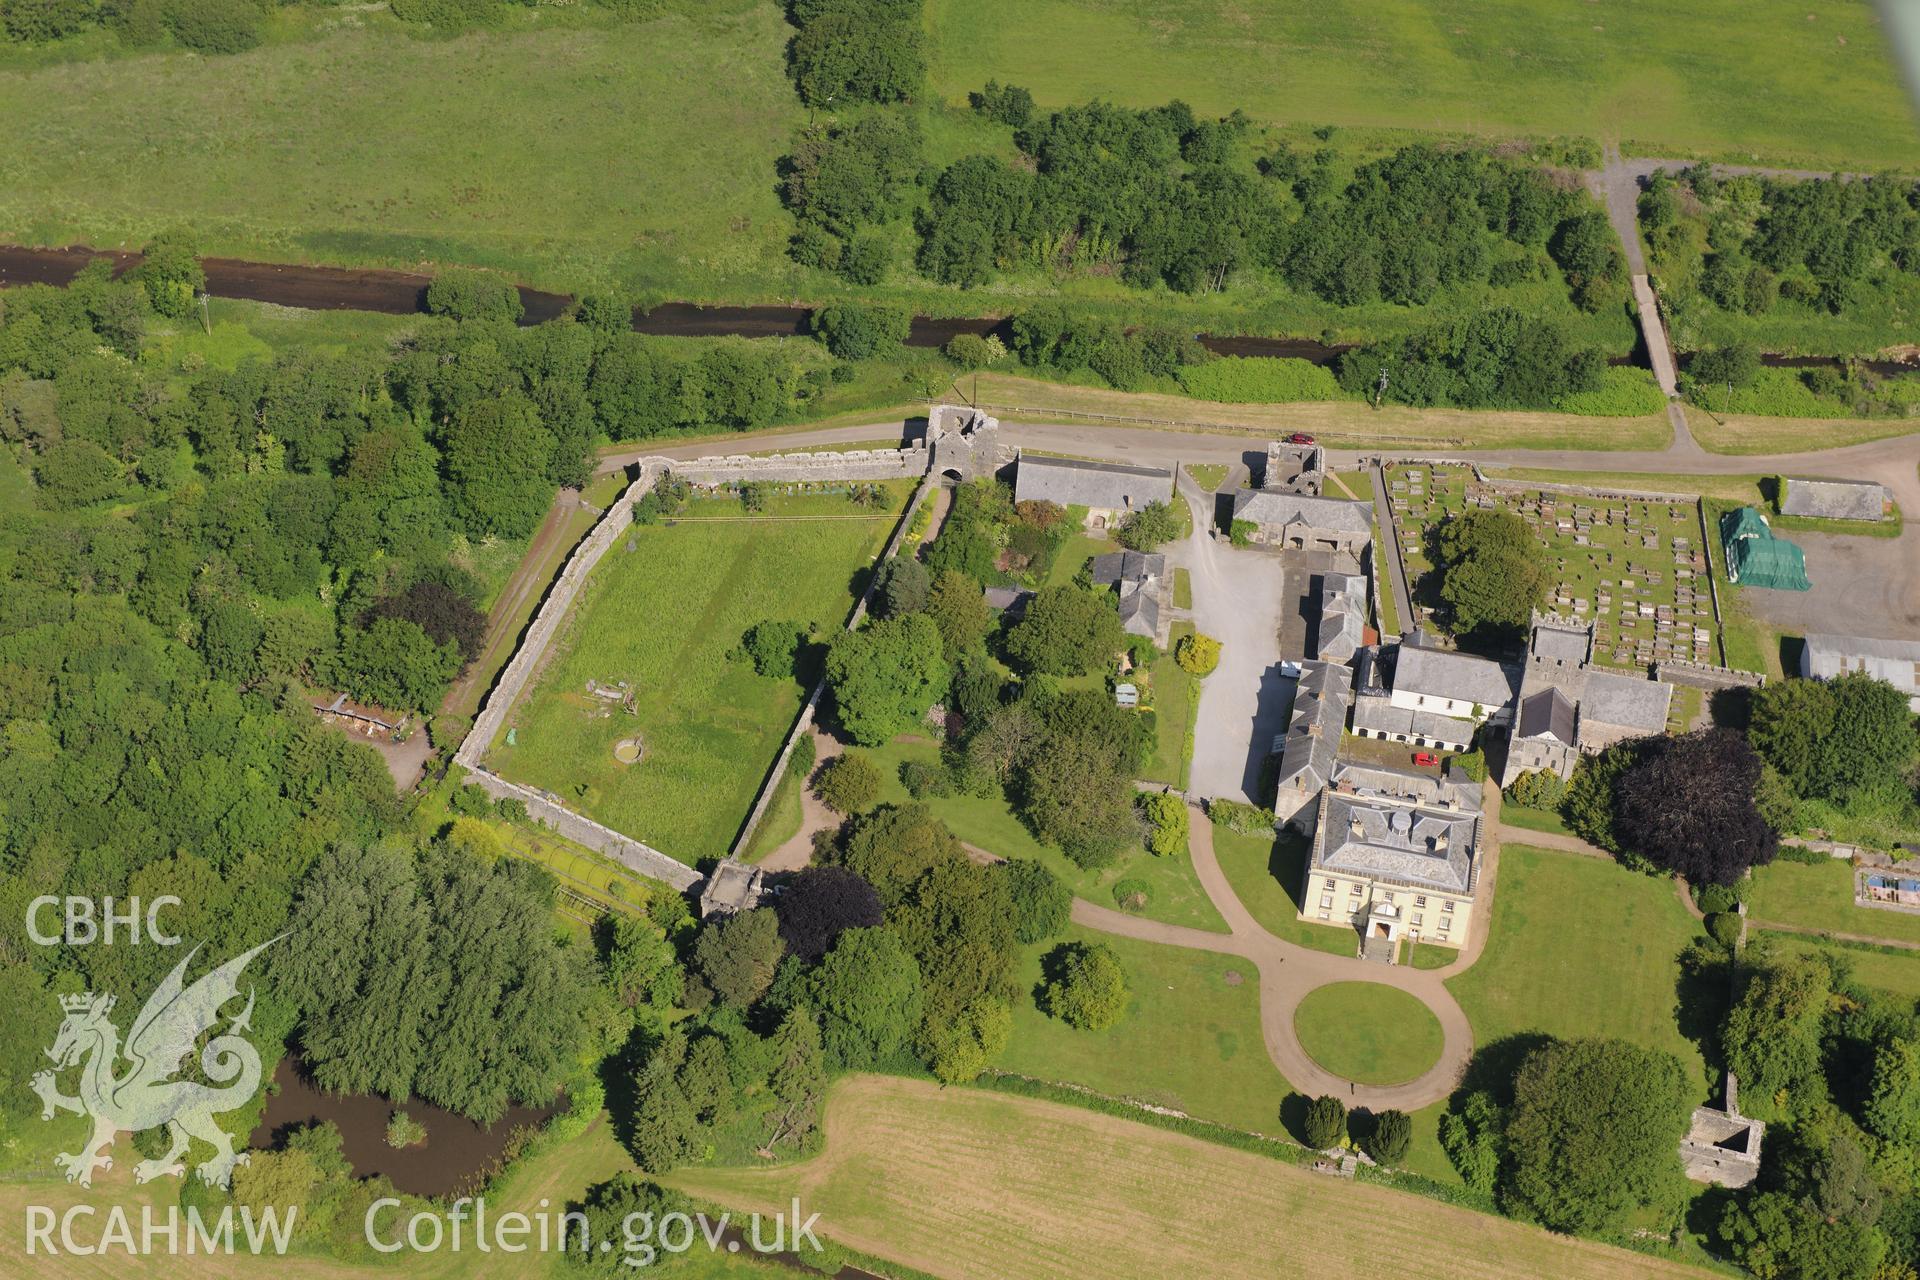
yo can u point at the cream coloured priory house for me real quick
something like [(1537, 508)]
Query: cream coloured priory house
[(1395, 855)]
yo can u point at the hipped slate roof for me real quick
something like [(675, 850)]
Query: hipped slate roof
[(1071, 482), (1310, 747), (1441, 673), (1834, 499), (1128, 566), (1140, 608), (1394, 840), (1264, 506)]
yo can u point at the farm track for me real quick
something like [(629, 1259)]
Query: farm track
[(510, 613)]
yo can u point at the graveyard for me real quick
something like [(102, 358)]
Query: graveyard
[(1635, 566)]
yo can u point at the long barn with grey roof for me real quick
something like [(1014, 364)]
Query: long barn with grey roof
[(1310, 747), (1454, 684), (1825, 656), (1108, 490), (1833, 499)]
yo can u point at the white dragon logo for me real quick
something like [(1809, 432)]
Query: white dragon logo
[(144, 1097)]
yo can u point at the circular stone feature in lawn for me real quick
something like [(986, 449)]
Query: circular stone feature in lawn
[(1367, 1032), (628, 750)]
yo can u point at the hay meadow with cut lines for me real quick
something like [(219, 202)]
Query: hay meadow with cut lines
[(965, 1183), (662, 612)]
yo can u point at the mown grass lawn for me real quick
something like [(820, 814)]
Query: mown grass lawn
[(1190, 1038), (1368, 1033), (1820, 896), (1580, 946), (664, 617), (986, 822), (1809, 83), (1175, 698), (1266, 875), (1515, 815)]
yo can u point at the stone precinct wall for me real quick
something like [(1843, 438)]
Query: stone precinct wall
[(856, 464), (1701, 676), (852, 464), (552, 612), (580, 829), (625, 850)]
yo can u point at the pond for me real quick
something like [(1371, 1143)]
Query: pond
[(456, 1156)]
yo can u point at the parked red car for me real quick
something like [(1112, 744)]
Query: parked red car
[(1425, 759), (1300, 437)]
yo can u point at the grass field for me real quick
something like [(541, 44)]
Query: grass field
[(569, 155), (1580, 947), (1897, 972), (1265, 874), (1190, 1038), (1338, 424), (1821, 897), (664, 617), (1174, 892), (1367, 1032), (1808, 83), (1751, 433), (964, 1183)]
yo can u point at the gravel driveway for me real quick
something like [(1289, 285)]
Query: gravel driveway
[(1237, 599)]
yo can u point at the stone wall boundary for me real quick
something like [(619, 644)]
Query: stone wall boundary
[(791, 468), (551, 618), (548, 618), (1700, 675), (580, 829)]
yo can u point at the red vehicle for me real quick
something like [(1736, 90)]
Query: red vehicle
[(1425, 759), (1300, 437)]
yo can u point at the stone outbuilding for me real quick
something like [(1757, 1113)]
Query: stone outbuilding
[(733, 887), (1299, 521), (1109, 491), (1310, 747), (1145, 589)]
